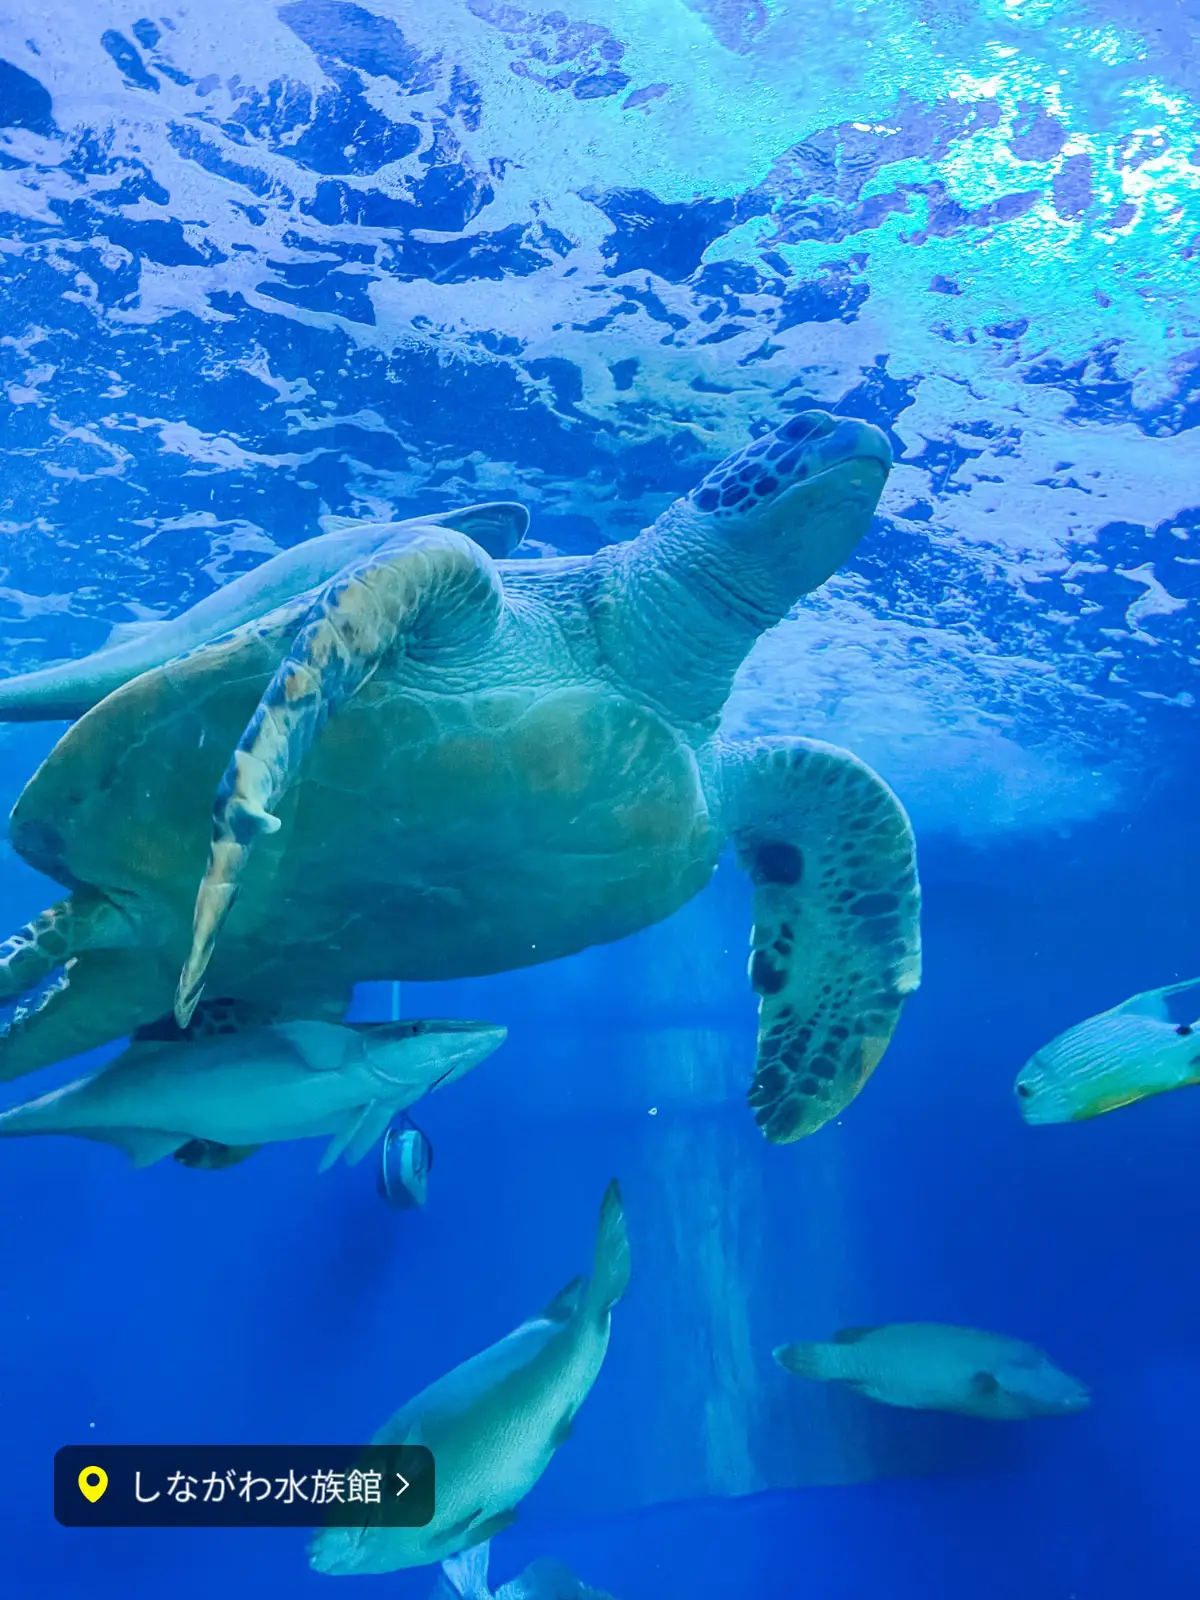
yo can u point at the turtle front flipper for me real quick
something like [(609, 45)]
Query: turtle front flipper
[(836, 946), (430, 591)]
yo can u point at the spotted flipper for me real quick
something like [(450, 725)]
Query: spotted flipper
[(836, 946), (79, 980), (99, 996), (431, 589), (84, 922)]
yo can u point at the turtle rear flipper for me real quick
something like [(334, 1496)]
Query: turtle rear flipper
[(210, 1156), (219, 1018), (102, 986), (430, 590), (85, 921), (105, 988), (100, 996), (836, 945)]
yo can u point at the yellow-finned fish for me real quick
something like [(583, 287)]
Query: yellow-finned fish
[(1139, 1048)]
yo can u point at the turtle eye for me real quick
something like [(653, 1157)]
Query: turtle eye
[(1185, 1030)]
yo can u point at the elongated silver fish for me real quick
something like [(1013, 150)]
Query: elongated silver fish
[(494, 1423), (1144, 1046), (292, 1080), (930, 1366), (73, 687)]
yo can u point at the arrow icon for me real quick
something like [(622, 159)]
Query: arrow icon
[(404, 1484)]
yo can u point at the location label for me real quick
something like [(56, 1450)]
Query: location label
[(243, 1486), (92, 1483)]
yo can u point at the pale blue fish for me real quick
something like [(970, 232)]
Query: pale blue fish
[(68, 690), (931, 1366), (291, 1080), (465, 1577), (494, 1423), (1144, 1046)]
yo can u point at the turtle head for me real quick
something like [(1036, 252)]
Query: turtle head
[(729, 560), (789, 509)]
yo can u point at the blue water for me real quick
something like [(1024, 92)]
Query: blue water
[(262, 265)]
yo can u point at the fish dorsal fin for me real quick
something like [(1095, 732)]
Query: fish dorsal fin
[(362, 1130), (1181, 988), (123, 632), (852, 1335), (466, 1574), (342, 524), (322, 1046), (566, 1302), (497, 526), (1152, 1004)]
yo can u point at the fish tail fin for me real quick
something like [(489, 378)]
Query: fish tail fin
[(610, 1272), (805, 1360), (465, 1576)]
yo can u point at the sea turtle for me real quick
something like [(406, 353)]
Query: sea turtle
[(439, 764)]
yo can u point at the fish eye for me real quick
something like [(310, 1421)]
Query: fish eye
[(1185, 1030), (1024, 1090)]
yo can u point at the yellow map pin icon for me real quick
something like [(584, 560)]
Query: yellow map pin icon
[(92, 1483)]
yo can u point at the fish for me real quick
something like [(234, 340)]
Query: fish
[(1142, 1047), (930, 1366), (66, 691), (494, 1423), (465, 1577), (210, 1100)]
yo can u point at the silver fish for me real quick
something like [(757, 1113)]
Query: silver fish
[(929, 1366), (494, 1423), (465, 1577), (1116, 1058), (73, 687), (291, 1080)]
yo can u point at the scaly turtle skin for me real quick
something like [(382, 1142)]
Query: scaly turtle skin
[(439, 764)]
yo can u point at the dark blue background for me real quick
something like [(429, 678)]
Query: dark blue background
[(266, 1304)]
